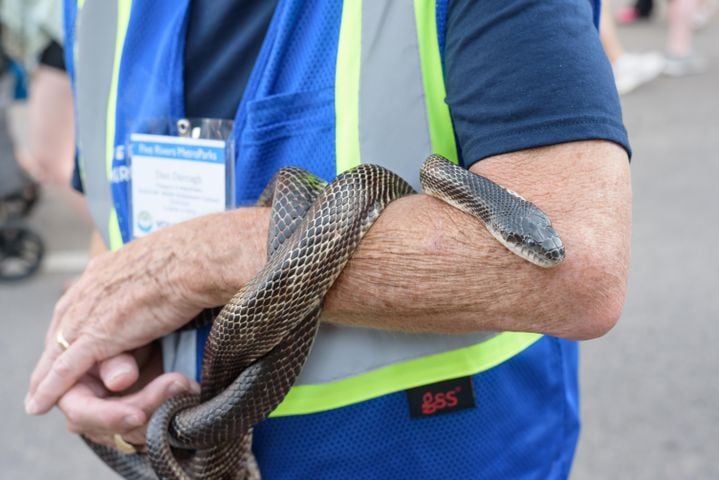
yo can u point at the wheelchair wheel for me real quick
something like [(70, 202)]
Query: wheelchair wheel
[(21, 252)]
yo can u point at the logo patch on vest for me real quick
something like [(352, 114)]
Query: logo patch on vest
[(441, 397)]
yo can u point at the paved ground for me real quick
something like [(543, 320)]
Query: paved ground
[(650, 388)]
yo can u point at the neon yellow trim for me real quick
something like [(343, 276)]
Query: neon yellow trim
[(113, 228), (124, 8), (80, 3), (440, 123), (347, 79), (305, 399)]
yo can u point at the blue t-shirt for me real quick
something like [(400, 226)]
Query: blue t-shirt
[(223, 40), (523, 74), (519, 74)]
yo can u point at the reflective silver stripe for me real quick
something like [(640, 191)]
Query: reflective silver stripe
[(179, 353), (96, 34), (341, 352), (393, 126), (393, 132)]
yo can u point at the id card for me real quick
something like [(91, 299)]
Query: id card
[(175, 179)]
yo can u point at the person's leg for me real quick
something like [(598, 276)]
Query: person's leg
[(608, 34), (681, 59), (679, 39), (51, 140), (630, 69)]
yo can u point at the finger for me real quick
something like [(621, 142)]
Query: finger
[(137, 436), (52, 347), (159, 390), (63, 373), (61, 307), (114, 371), (51, 352), (88, 414), (97, 388), (119, 373)]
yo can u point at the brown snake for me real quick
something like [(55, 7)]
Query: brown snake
[(260, 340)]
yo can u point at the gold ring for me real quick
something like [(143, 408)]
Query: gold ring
[(60, 339), (123, 445)]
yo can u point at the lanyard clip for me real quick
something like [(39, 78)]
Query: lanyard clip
[(185, 130)]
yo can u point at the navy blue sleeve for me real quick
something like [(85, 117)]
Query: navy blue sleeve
[(527, 73), (223, 40)]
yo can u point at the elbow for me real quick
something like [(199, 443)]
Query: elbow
[(596, 298), (597, 316)]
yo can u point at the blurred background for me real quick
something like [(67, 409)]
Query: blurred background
[(650, 388)]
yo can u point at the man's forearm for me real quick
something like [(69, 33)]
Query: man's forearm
[(425, 266)]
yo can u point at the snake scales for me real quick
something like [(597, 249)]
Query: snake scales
[(261, 338)]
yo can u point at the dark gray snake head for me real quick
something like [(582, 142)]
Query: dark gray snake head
[(518, 224), (531, 236)]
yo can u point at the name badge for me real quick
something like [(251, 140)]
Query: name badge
[(175, 179)]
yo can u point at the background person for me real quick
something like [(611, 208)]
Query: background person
[(681, 57), (631, 69), (33, 36)]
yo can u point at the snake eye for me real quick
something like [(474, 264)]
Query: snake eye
[(514, 239)]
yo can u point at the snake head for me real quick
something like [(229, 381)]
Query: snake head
[(541, 241), (532, 237)]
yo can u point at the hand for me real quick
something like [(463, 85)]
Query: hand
[(124, 300), (93, 409)]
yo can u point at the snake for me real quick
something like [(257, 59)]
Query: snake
[(260, 339)]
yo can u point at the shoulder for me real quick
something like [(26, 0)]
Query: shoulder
[(527, 73)]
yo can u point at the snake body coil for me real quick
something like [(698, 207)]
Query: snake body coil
[(260, 340)]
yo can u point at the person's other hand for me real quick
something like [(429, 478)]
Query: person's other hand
[(123, 300), (119, 397)]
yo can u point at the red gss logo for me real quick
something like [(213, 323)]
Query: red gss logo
[(433, 402)]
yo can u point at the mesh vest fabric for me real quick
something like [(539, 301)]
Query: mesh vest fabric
[(525, 426)]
